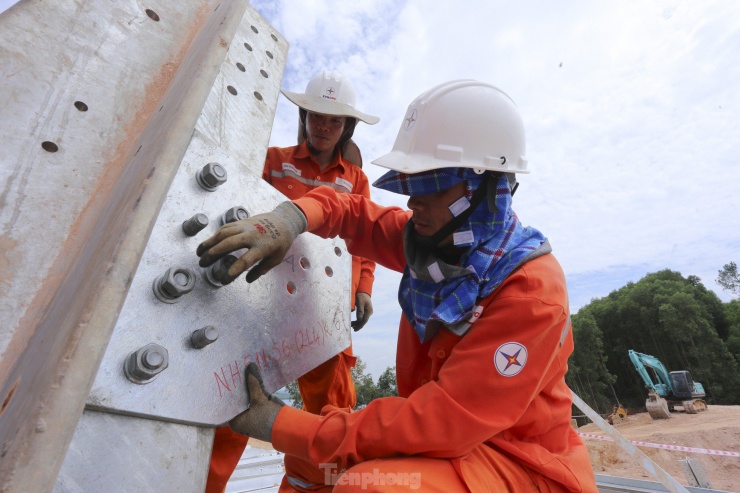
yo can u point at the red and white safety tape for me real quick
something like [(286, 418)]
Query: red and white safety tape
[(678, 448)]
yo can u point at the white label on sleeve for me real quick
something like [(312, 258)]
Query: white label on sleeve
[(344, 183), (291, 168), (477, 310)]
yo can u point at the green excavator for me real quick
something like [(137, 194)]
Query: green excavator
[(667, 390)]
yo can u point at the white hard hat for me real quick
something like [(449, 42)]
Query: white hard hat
[(459, 124), (330, 93)]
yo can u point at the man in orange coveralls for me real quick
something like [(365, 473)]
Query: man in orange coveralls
[(328, 118), (485, 333)]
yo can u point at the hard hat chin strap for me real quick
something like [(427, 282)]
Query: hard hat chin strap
[(432, 242)]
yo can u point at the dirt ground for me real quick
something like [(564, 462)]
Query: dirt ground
[(718, 429)]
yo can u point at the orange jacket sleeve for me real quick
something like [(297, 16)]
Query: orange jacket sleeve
[(366, 274), (370, 231)]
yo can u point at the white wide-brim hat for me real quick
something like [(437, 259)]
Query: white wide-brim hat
[(330, 93)]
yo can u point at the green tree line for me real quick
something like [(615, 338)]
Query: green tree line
[(666, 315), (365, 387)]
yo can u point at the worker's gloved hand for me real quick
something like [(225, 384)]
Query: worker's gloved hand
[(267, 236), (262, 409), (363, 309)]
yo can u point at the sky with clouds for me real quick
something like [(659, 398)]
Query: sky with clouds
[(631, 108)]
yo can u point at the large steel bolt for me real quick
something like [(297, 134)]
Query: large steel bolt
[(204, 336), (144, 364), (173, 284), (211, 176), (195, 224), (216, 273), (234, 214)]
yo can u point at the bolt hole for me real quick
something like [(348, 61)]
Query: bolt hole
[(304, 263), (291, 287), (248, 46), (9, 397), (264, 74), (49, 146), (231, 90), (255, 30), (80, 106), (269, 54), (152, 15), (241, 67), (337, 251), (258, 95), (273, 37), (329, 271)]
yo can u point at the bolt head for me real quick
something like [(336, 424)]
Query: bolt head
[(211, 176), (235, 214), (145, 363), (222, 266), (177, 282)]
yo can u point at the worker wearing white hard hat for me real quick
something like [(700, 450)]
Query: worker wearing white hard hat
[(328, 117), (485, 335)]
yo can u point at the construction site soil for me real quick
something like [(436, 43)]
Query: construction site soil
[(716, 429)]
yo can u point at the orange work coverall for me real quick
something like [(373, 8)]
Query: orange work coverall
[(488, 410), (292, 171)]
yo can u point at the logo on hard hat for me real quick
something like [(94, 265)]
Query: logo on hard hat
[(510, 359), (410, 120), (330, 91)]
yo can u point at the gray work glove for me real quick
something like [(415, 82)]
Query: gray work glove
[(267, 236), (262, 408), (363, 309)]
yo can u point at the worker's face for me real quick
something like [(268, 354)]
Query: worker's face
[(323, 131), (431, 211)]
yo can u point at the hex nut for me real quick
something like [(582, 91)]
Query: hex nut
[(234, 214), (204, 336), (144, 364), (211, 176), (216, 272), (173, 284), (195, 224)]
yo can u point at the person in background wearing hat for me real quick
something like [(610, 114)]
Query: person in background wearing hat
[(327, 119), (485, 335)]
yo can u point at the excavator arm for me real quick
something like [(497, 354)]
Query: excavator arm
[(661, 384)]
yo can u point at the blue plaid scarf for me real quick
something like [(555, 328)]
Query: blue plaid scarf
[(433, 293)]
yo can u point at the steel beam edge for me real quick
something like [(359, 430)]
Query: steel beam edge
[(116, 226)]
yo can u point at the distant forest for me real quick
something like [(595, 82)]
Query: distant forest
[(666, 315)]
